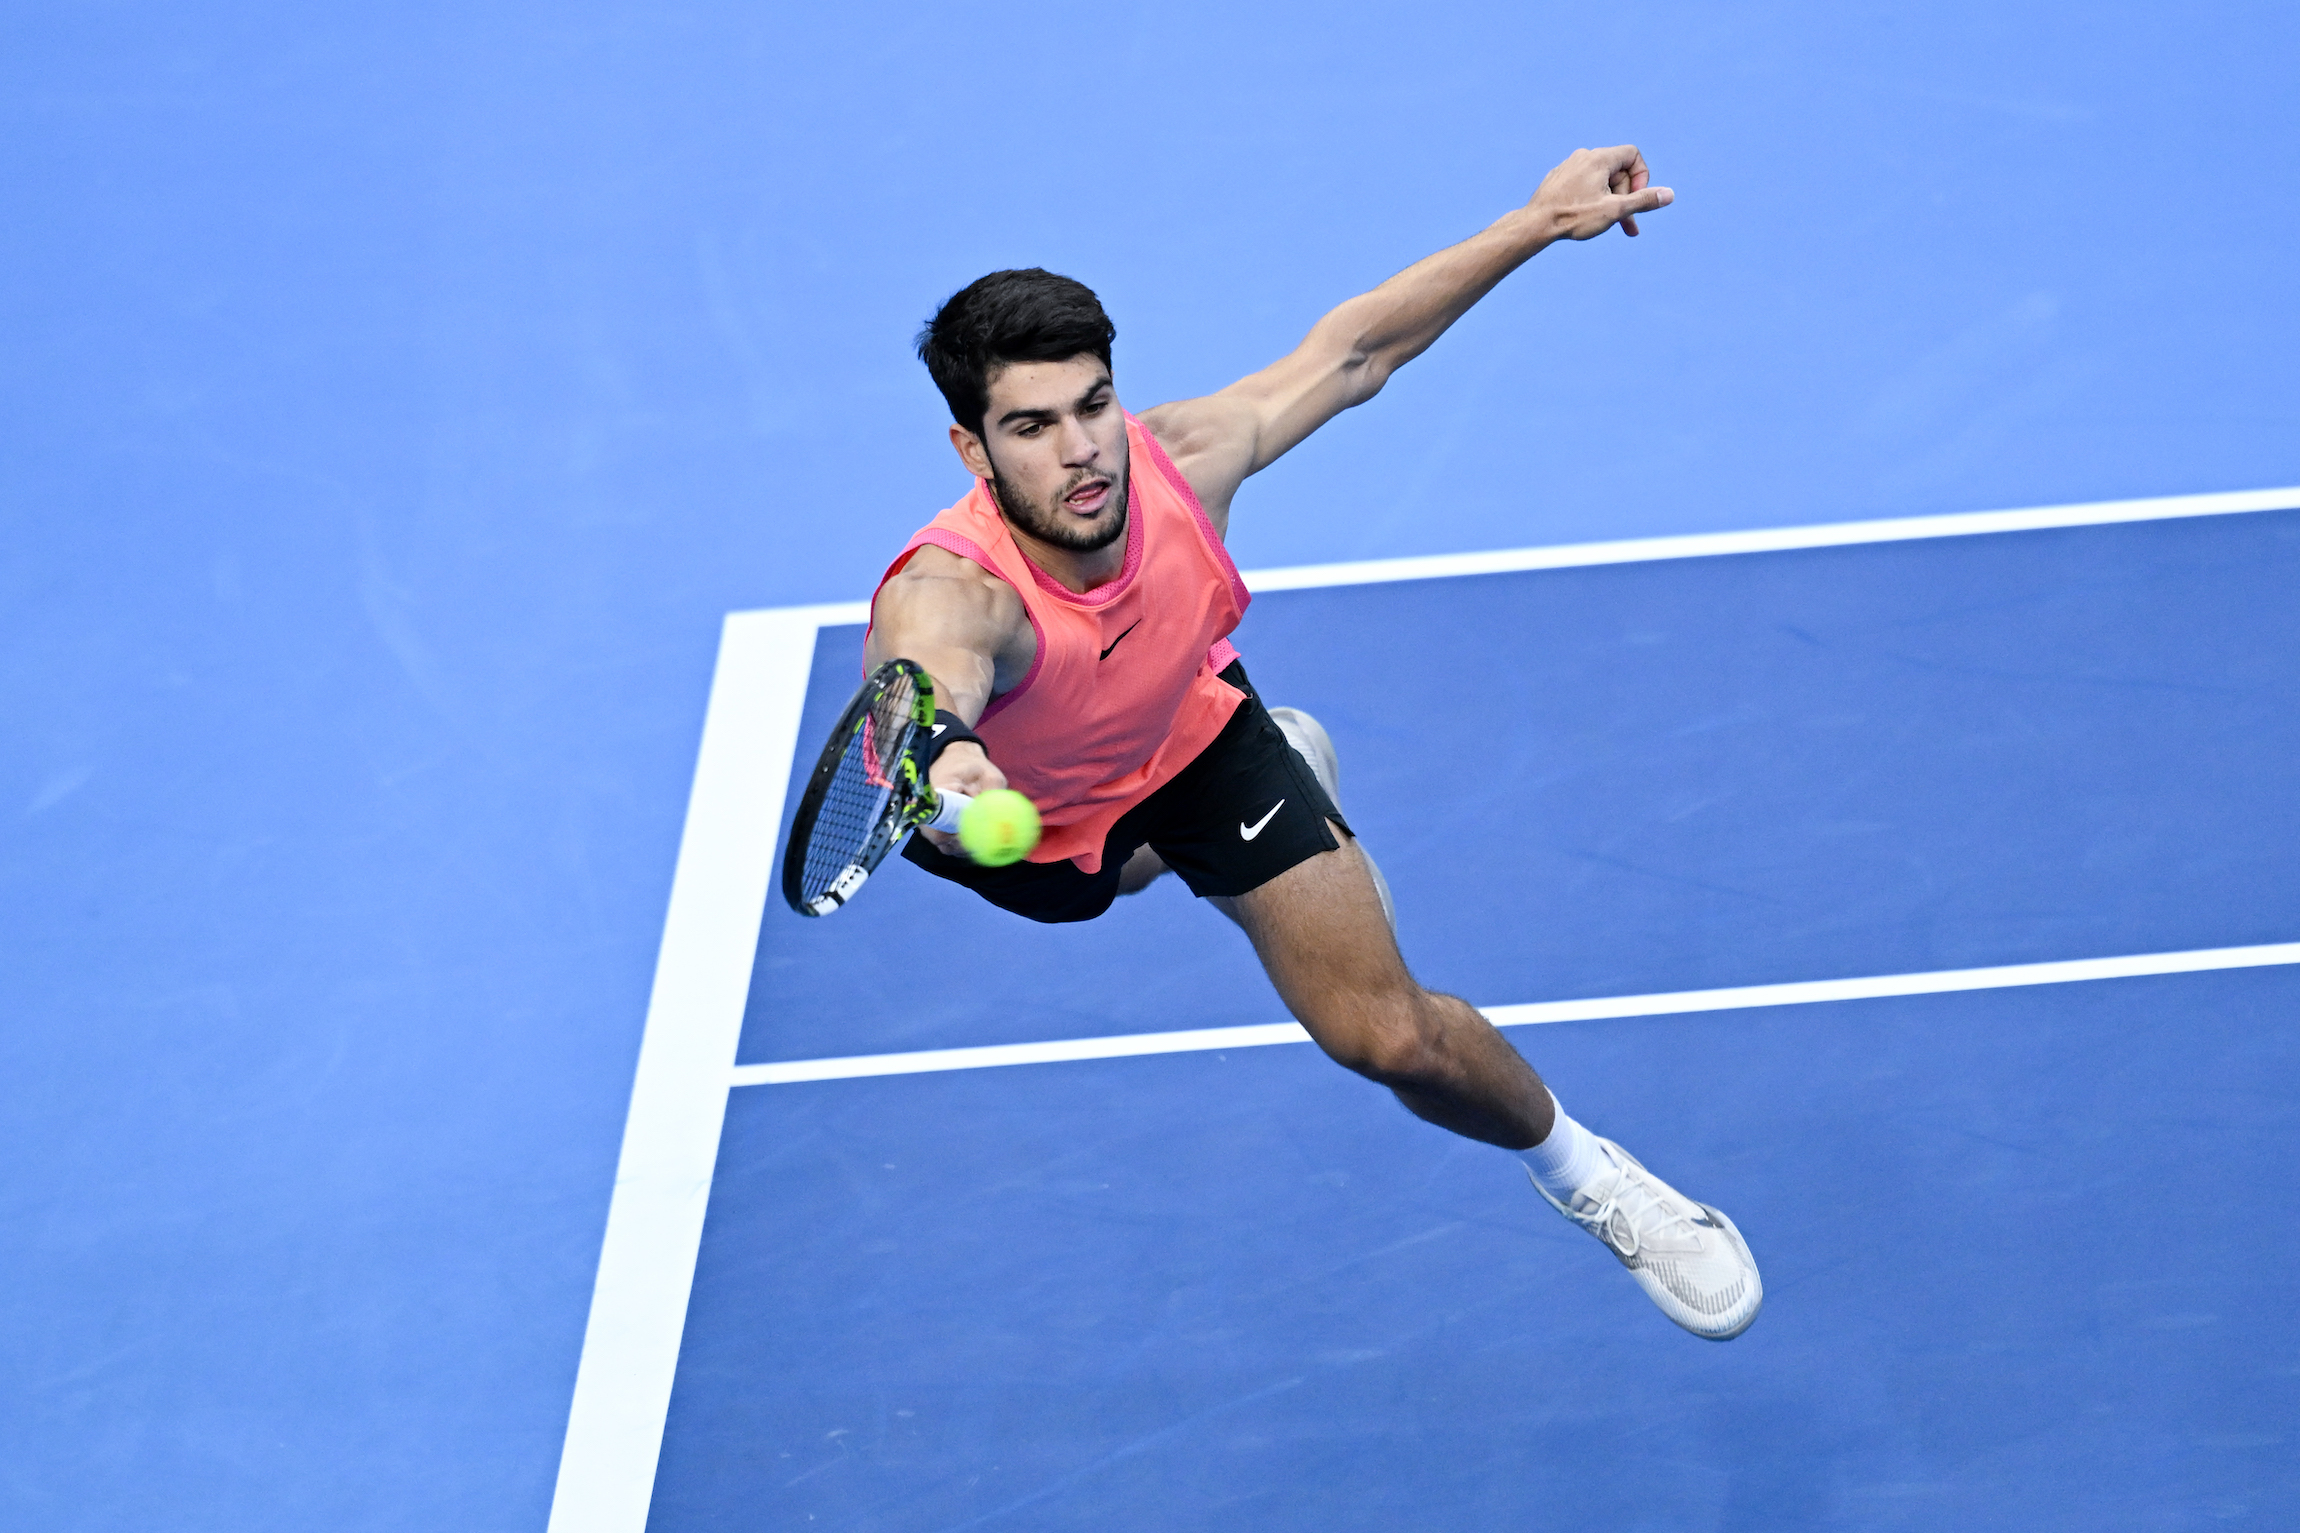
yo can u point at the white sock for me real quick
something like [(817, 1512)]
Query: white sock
[(1568, 1159)]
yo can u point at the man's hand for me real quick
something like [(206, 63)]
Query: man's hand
[(1220, 440), (964, 767), (1594, 190)]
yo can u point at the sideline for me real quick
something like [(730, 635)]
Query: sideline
[(1673, 1003)]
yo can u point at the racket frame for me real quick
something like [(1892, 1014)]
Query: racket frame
[(910, 801)]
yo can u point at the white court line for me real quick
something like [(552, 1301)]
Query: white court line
[(1768, 540), (718, 898), (679, 1097), (1674, 1003), (1704, 545)]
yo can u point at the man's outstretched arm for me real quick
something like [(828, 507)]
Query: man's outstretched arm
[(967, 628), (1221, 439)]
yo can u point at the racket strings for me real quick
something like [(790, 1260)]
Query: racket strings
[(864, 803)]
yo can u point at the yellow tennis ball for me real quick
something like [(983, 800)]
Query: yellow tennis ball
[(999, 827)]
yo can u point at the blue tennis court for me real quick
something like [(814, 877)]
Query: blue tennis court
[(1820, 675), (1219, 1283), (1240, 1291)]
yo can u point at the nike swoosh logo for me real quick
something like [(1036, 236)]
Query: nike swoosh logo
[(1114, 643), (1247, 835)]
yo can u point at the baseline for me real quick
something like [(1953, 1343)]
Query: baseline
[(1767, 540)]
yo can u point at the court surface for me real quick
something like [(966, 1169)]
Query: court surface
[(1221, 1283), (410, 1102)]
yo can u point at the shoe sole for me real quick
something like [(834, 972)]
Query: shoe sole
[(1682, 1315), (1756, 1281), (1326, 766)]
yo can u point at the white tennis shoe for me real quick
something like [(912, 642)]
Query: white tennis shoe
[(1687, 1256), (1310, 741)]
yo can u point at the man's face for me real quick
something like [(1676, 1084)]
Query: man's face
[(1053, 446)]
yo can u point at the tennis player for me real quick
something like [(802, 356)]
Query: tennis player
[(1074, 611)]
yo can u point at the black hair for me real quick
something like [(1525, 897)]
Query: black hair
[(1009, 316)]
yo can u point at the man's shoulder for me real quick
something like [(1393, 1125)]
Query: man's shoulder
[(931, 561), (1210, 442), (1188, 428), (937, 599)]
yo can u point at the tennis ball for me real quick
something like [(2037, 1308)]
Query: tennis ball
[(999, 827)]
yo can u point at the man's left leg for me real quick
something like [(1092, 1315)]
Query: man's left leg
[(1309, 740), (1321, 933)]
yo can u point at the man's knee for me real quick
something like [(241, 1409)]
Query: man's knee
[(1391, 1038)]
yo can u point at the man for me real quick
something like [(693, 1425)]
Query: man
[(1074, 612)]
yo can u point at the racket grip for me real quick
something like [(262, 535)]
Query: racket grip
[(950, 804)]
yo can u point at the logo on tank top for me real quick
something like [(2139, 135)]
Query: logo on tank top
[(1114, 643)]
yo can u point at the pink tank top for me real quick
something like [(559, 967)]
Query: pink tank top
[(1123, 693)]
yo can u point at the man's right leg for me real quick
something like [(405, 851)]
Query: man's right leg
[(1142, 870), (1040, 891)]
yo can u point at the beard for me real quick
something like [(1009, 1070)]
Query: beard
[(1046, 522)]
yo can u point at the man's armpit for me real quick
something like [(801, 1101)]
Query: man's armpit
[(1212, 443)]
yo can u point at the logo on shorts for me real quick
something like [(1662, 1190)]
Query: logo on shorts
[(1247, 835)]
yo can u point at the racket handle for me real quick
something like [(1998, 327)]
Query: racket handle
[(951, 804)]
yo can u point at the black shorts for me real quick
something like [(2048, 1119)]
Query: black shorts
[(1243, 811)]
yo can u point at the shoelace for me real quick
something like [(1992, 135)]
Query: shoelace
[(1599, 1220)]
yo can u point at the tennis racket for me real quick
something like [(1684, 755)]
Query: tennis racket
[(869, 790)]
